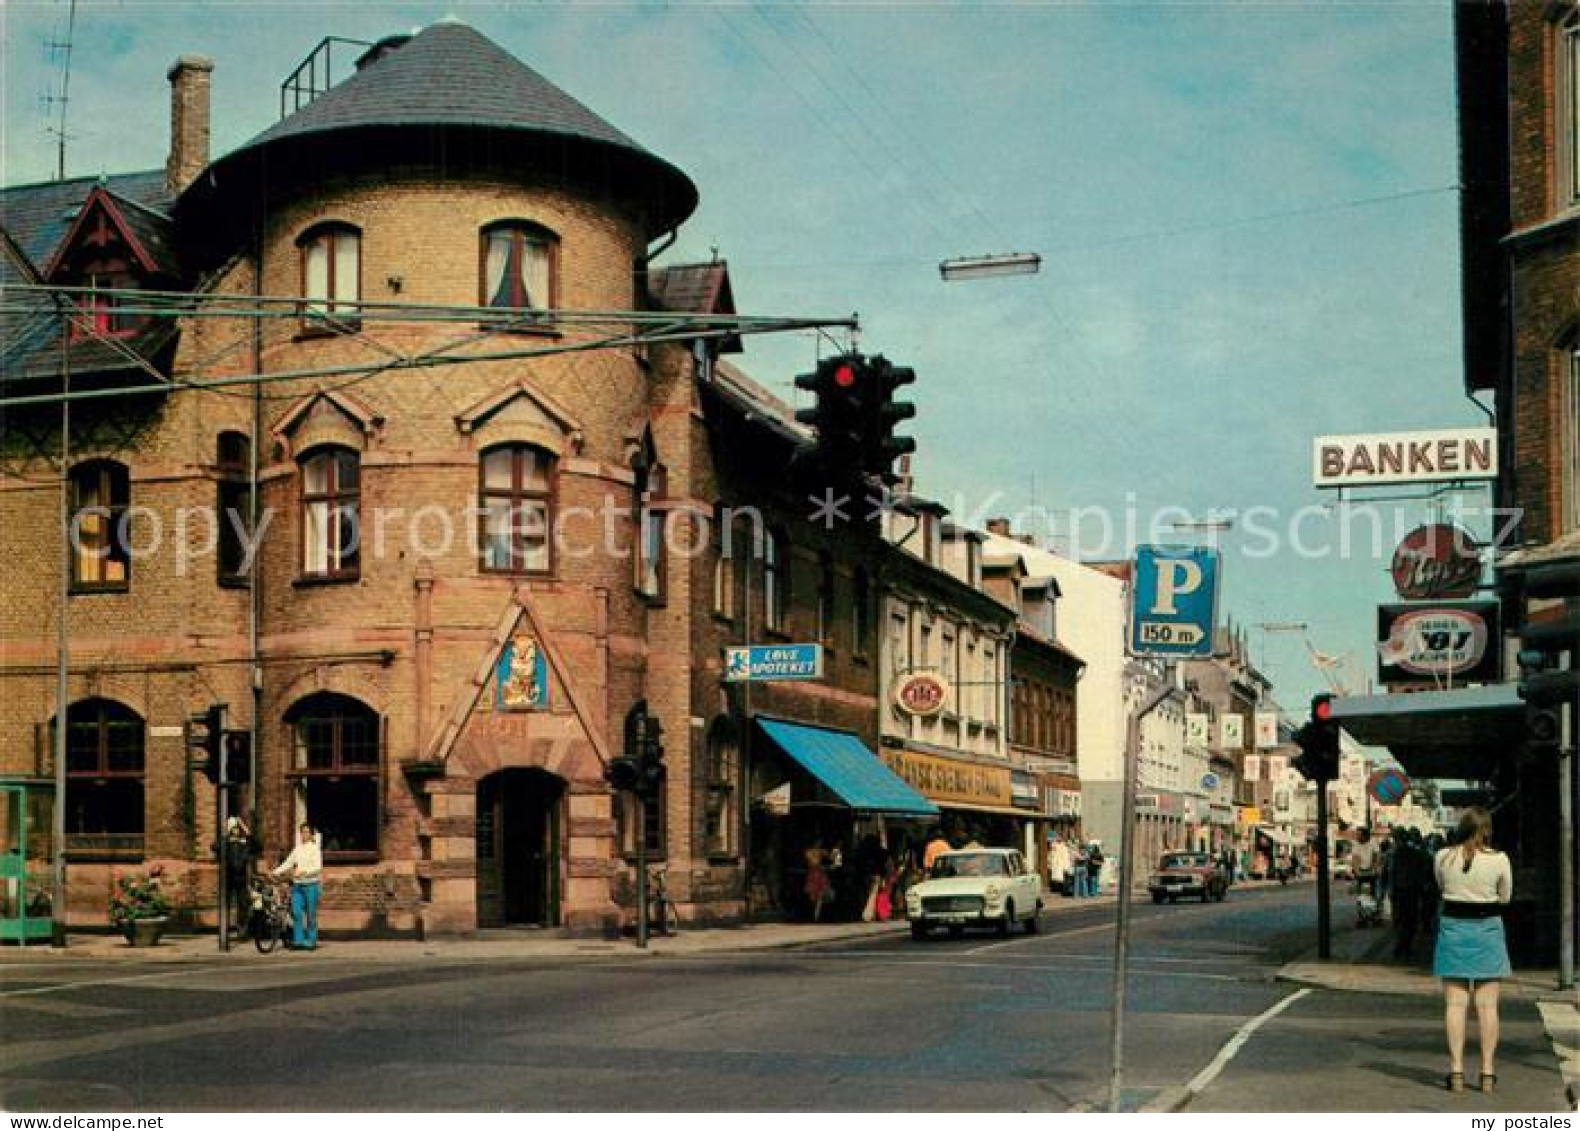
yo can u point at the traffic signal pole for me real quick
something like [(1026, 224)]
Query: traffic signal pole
[(1116, 1022), (1324, 911), (221, 833)]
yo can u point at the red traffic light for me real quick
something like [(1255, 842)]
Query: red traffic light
[(845, 376), (1321, 707)]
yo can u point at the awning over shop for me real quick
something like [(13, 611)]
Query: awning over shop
[(1437, 734), (851, 771), (1277, 836)]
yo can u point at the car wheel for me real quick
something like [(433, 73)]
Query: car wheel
[(1007, 924), (919, 931), (1158, 897), (956, 930), (1034, 924)]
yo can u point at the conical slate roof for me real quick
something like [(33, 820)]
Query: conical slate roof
[(449, 79), (448, 74)]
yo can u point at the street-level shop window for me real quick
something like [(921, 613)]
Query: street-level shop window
[(335, 768), (331, 276), (101, 556), (331, 489), (232, 506), (517, 500), (518, 261), (104, 779)]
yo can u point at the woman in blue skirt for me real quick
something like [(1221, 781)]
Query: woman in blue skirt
[(1476, 881)]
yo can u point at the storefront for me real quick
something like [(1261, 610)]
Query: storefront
[(977, 800), (822, 800)]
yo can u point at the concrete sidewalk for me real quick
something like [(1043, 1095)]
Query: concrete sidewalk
[(1362, 963), (504, 943)]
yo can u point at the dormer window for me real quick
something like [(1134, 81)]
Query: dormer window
[(518, 266), (331, 276), (98, 313)]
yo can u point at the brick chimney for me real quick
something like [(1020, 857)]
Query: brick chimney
[(189, 90), (999, 526)]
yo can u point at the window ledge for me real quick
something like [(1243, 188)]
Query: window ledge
[(327, 328), (520, 328), (776, 633), (723, 618), (309, 581), (349, 857), (234, 582), (80, 590)]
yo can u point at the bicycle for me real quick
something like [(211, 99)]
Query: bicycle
[(269, 920), (663, 918)]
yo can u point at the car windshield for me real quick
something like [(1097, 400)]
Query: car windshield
[(1185, 860), (969, 864)]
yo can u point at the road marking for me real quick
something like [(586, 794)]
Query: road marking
[(103, 982), (1200, 1082)]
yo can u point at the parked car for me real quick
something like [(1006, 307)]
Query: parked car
[(1188, 873), (975, 887)]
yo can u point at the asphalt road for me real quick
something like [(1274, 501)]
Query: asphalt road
[(951, 1024)]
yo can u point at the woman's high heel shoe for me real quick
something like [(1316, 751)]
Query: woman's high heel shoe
[(1489, 1081), (1456, 1081)]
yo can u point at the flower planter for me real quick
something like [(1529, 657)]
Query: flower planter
[(144, 932)]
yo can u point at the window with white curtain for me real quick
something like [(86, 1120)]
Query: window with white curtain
[(331, 272), (518, 266)]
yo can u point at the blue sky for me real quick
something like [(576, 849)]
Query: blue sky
[(1175, 350)]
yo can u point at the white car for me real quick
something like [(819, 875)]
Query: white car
[(975, 887)]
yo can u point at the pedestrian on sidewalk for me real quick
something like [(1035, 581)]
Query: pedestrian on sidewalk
[(1094, 868), (1472, 954), (1059, 866), (305, 865), (1412, 871)]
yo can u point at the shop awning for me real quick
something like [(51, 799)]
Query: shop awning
[(851, 771), (1437, 734), (1277, 836)]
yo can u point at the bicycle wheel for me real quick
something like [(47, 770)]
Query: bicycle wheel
[(265, 932)]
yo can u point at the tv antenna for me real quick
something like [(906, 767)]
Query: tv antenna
[(61, 49)]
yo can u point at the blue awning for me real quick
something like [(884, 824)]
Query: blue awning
[(853, 773)]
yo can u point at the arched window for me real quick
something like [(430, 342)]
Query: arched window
[(516, 499), (652, 513), (331, 487), (518, 266), (232, 506), (335, 768), (331, 275), (101, 558), (104, 779)]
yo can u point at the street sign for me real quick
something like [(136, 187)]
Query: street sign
[(1209, 781), (760, 663), (1388, 786), (1175, 601)]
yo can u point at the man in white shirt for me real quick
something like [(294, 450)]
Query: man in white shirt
[(306, 866)]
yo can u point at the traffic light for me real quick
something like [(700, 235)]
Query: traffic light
[(1543, 688), (1318, 739), (880, 446), (205, 739), (841, 386), (238, 757), (639, 767)]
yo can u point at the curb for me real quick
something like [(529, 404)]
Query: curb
[(1170, 1100)]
